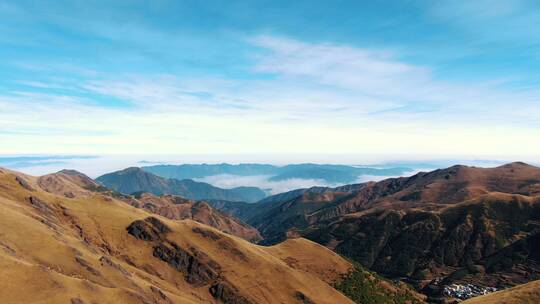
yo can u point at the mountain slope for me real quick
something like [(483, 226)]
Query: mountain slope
[(457, 225), (523, 294), (69, 183), (133, 180), (429, 191), (177, 208), (98, 249), (72, 184)]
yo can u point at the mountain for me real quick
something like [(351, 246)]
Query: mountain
[(280, 197), (428, 191), (333, 174), (95, 248), (249, 212), (190, 171), (328, 173), (132, 180), (69, 183), (178, 208), (462, 225), (73, 184)]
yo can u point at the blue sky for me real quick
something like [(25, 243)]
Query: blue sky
[(437, 78)]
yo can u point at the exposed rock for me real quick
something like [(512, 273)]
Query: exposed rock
[(24, 183), (87, 266), (159, 225), (196, 271), (40, 205), (227, 294), (76, 301), (162, 296), (303, 298), (206, 233), (150, 229), (105, 261)]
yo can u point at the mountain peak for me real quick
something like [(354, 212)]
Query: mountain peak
[(135, 179), (132, 170), (517, 164)]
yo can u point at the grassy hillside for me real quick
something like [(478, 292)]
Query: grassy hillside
[(56, 249), (523, 294)]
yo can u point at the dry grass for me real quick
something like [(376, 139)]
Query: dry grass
[(52, 252), (523, 294)]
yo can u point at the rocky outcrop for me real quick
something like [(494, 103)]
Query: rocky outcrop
[(196, 267), (151, 229), (227, 294), (303, 298), (41, 206), (24, 183)]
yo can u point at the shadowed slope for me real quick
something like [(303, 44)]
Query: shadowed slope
[(455, 225)]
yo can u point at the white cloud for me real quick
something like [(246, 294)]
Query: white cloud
[(228, 181), (324, 98), (336, 65)]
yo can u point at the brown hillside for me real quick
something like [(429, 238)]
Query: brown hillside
[(97, 249), (523, 294), (177, 208), (462, 225), (69, 183)]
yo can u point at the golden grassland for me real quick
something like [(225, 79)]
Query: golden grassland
[(55, 249)]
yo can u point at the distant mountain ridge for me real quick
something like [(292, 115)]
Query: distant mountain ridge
[(328, 173), (132, 180)]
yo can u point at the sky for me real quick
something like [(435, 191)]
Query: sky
[(408, 78)]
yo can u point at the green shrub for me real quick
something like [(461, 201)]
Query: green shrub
[(364, 287)]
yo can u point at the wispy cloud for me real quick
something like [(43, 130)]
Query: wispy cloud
[(300, 97)]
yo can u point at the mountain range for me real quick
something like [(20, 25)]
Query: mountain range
[(332, 174), (447, 235), (67, 239), (462, 225), (133, 180)]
